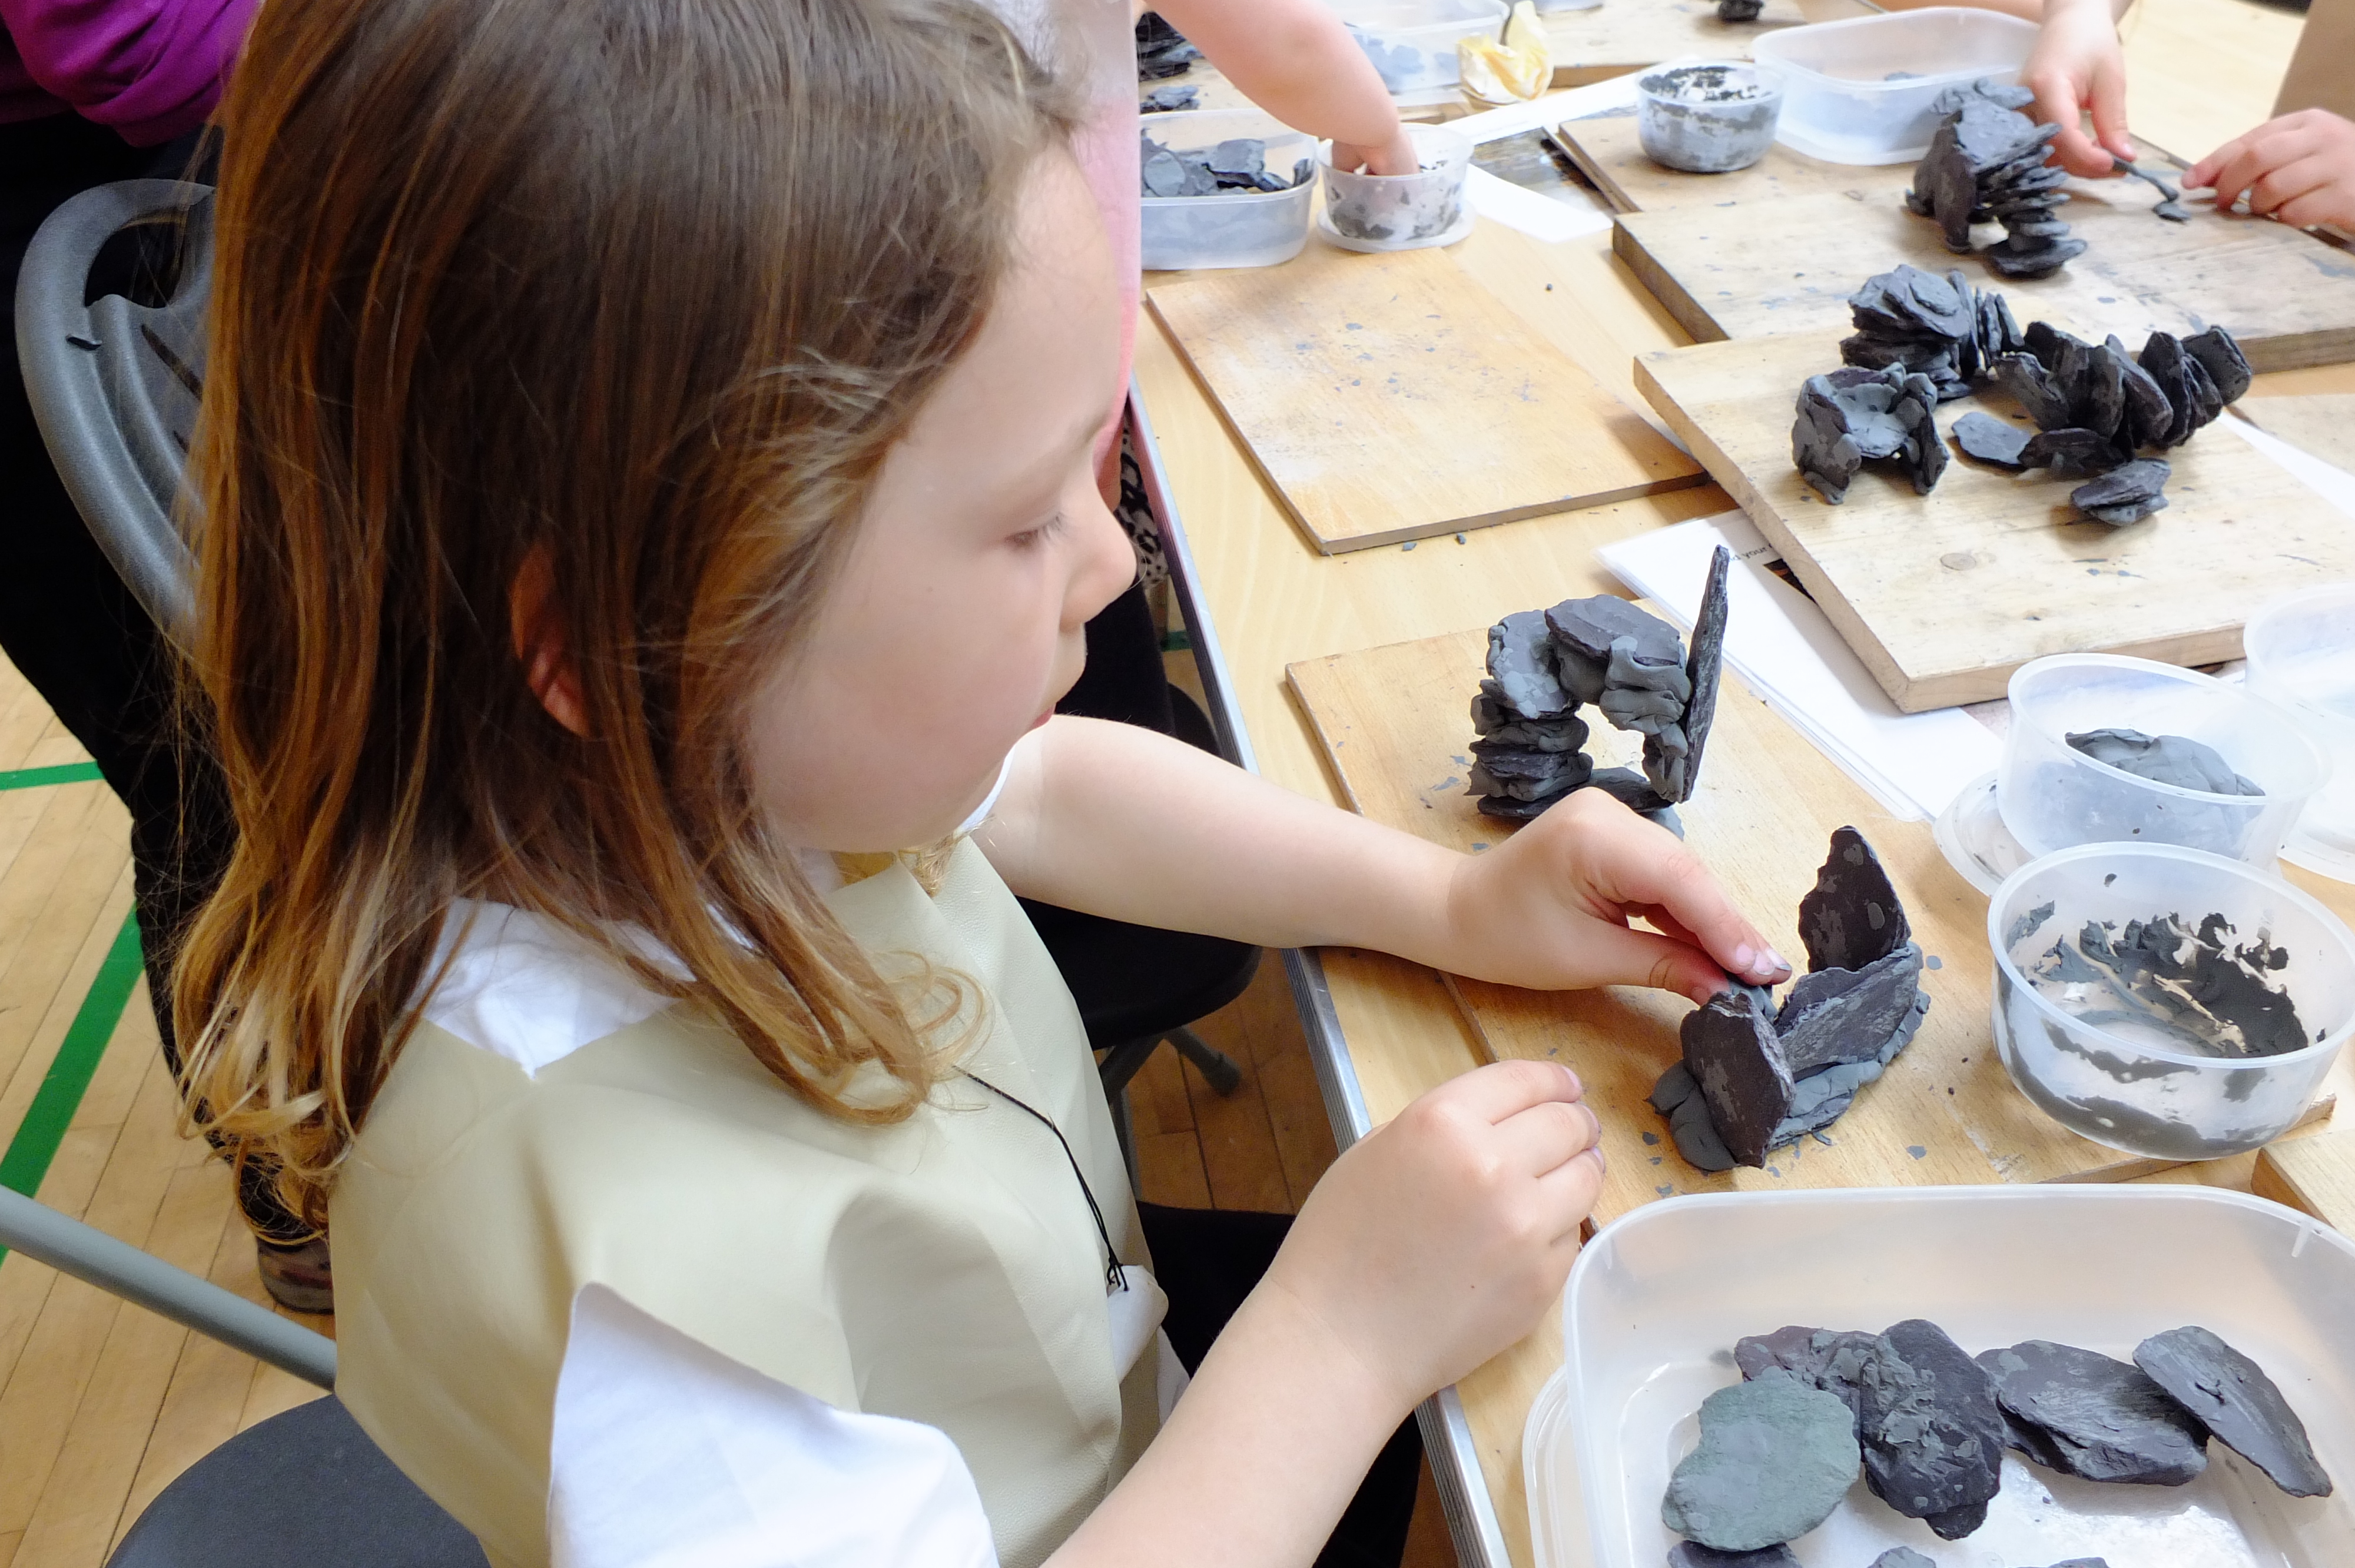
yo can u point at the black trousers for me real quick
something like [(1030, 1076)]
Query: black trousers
[(1207, 1261), (66, 619)]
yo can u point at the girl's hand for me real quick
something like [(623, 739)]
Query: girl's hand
[(2077, 65), (1549, 908), (1439, 1238), (2299, 168), (1396, 156)]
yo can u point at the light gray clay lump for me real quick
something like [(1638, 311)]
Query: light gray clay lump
[(2164, 759), (2238, 1403), (1774, 1459), (1990, 439)]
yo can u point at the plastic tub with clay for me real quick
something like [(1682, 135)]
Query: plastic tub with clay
[(1402, 212), (1707, 117), (2053, 796), (1232, 228), (1658, 1297), (2142, 1059), (1859, 92), (1413, 42), (2302, 657)]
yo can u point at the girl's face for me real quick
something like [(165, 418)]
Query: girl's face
[(984, 550)]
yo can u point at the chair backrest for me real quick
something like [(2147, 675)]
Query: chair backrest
[(304, 1488), (116, 385)]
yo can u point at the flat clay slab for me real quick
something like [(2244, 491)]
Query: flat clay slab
[(1943, 596)]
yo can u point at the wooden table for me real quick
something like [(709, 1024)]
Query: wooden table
[(1263, 598)]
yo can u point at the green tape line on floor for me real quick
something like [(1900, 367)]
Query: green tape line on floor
[(59, 1095), (63, 773)]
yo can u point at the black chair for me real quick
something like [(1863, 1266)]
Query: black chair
[(116, 385), (1137, 986)]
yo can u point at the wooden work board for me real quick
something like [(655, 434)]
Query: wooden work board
[(1609, 150), (1620, 35), (2320, 423), (2315, 1175), (1394, 726), (1943, 596), (1734, 266), (1391, 398)]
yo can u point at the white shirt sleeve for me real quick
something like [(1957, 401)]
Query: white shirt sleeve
[(668, 1455)]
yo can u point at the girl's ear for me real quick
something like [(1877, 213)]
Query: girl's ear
[(540, 644)]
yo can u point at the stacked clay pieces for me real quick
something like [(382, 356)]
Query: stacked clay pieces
[(1755, 1077), (1987, 162), (1631, 667)]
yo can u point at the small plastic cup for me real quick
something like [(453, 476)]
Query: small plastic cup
[(2118, 1074), (1402, 212), (2053, 796), (2301, 654), (1707, 117)]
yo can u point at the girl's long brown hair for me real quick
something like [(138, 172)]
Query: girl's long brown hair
[(648, 286)]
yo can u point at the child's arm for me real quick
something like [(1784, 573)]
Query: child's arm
[(1120, 821), (1430, 1245), (1295, 59), (2300, 168)]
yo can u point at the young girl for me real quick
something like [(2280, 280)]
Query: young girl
[(646, 474)]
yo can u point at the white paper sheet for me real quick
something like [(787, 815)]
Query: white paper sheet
[(1574, 104), (1538, 216), (1785, 648)]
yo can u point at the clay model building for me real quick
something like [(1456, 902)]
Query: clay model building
[(1755, 1077), (1628, 665), (1987, 163), (1928, 1425)]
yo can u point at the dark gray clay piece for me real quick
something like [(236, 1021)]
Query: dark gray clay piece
[(2239, 1403), (1990, 439), (1829, 1359), (1702, 668), (2087, 1415), (2165, 759), (2127, 493), (1848, 1015), (1775, 1458), (1987, 161), (1932, 1434), (1733, 1055), (1853, 917), (1902, 1557), (2209, 995), (1693, 1554), (1239, 163), (1740, 10)]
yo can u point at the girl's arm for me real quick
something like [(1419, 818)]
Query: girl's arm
[(1295, 59), (2078, 66), (1122, 822)]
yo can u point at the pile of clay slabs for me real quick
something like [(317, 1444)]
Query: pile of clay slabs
[(1659, 1296)]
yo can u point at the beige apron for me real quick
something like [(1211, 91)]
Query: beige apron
[(943, 1270)]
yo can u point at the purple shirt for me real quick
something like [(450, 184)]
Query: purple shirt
[(150, 69)]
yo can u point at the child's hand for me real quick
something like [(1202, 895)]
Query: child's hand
[(1547, 908), (2077, 65), (1437, 1240), (2299, 168), (1397, 157)]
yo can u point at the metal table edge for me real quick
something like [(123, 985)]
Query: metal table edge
[(1464, 1496)]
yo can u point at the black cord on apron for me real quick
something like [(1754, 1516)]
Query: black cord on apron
[(1113, 1278)]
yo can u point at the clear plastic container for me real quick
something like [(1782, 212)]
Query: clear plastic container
[(1232, 228), (2109, 1068), (1859, 92), (1707, 117), (1413, 42), (2053, 796), (1657, 1300), (1402, 212), (2301, 654)]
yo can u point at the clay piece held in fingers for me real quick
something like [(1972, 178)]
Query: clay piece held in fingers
[(2170, 200), (2090, 1415), (2127, 493), (1732, 1052), (1933, 1433), (1775, 1458), (2238, 1403), (2172, 760)]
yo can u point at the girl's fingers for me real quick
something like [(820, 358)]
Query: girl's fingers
[(2281, 186), (1625, 956), (2109, 107), (1653, 871), (1501, 1090), (1571, 1191), (1544, 1138)]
